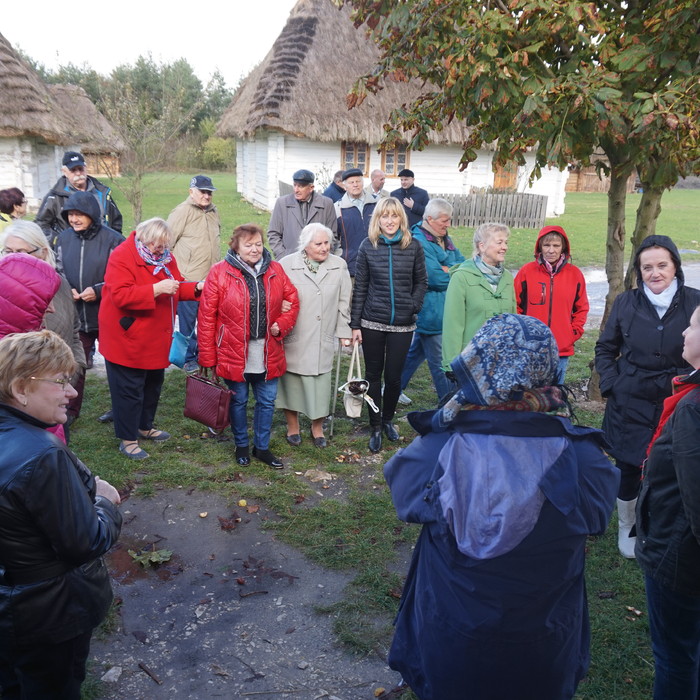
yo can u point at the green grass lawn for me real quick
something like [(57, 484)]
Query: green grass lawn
[(351, 524)]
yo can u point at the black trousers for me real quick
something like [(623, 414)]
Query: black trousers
[(45, 671), (630, 480), (385, 353), (135, 395)]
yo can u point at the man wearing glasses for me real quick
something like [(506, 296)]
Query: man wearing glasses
[(196, 247), (75, 178)]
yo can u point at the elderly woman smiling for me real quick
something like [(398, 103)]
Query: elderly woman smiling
[(56, 522), (139, 302), (324, 287), (479, 288)]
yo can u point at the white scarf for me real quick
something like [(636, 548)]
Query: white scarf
[(662, 300)]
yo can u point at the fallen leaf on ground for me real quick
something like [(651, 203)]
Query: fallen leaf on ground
[(253, 509)]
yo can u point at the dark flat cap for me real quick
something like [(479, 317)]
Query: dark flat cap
[(353, 172), (305, 176)]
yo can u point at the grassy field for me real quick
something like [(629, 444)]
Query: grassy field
[(350, 523)]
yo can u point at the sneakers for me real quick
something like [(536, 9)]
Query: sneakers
[(191, 367), (404, 400)]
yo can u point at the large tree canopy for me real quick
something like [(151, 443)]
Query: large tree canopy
[(558, 77)]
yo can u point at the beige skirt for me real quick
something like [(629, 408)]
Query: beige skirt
[(308, 395)]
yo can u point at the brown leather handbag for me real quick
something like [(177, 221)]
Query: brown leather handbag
[(207, 401)]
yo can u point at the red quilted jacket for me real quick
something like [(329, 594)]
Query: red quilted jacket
[(223, 324)]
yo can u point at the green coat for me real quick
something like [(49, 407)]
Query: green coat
[(469, 303)]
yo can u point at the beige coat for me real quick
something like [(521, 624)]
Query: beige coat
[(196, 239), (324, 314)]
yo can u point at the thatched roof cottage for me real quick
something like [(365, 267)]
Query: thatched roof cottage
[(39, 122), (290, 112)]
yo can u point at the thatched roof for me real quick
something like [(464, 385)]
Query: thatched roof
[(26, 107), (301, 85), (87, 125)]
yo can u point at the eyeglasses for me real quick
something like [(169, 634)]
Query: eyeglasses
[(7, 251), (63, 382)]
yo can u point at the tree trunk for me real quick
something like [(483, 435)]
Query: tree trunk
[(647, 214), (615, 244)]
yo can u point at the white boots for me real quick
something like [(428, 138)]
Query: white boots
[(626, 518)]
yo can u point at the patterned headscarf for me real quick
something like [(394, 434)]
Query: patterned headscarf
[(158, 260), (506, 358)]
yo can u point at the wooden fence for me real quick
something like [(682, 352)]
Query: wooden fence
[(514, 209)]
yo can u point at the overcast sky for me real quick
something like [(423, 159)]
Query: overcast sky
[(230, 35)]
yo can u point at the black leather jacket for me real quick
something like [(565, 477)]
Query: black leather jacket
[(53, 532)]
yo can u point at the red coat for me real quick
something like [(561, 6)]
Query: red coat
[(559, 300), (223, 324), (136, 328)]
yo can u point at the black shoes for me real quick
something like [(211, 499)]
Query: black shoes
[(390, 431), (268, 458), (106, 417), (319, 441), (242, 456), (294, 440), (375, 440)]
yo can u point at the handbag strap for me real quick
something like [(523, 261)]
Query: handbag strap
[(354, 371), (172, 316)]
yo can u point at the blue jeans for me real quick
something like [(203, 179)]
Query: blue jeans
[(427, 347), (674, 622), (563, 364), (265, 392), (187, 318)]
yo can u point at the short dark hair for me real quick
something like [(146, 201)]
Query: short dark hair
[(244, 231), (10, 198)]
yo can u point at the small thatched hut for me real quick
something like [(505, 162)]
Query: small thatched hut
[(36, 128), (290, 112)]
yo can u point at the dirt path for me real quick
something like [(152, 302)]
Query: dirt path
[(230, 616)]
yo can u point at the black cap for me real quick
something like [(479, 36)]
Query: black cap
[(202, 182), (353, 172), (305, 176), (406, 173), (73, 159)]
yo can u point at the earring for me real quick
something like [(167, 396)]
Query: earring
[(24, 403)]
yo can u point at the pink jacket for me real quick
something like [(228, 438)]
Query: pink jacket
[(27, 286)]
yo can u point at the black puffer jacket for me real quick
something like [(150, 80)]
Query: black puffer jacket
[(53, 532), (390, 283), (49, 215), (668, 509), (81, 257), (637, 356)]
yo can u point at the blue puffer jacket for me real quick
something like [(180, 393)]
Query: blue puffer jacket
[(429, 320), (520, 491)]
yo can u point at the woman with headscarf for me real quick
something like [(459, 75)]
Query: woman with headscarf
[(638, 353), (494, 605), (479, 288), (139, 303)]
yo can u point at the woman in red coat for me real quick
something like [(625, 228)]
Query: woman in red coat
[(139, 302), (248, 306)]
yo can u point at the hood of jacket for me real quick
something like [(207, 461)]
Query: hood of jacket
[(553, 229), (27, 285), (660, 242), (86, 203)]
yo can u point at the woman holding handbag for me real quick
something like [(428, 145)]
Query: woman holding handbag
[(139, 298), (323, 283), (390, 283), (241, 326)]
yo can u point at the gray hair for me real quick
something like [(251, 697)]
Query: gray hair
[(309, 231), (32, 234), (486, 231), (437, 207), (155, 230)]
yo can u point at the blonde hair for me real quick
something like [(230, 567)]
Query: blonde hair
[(26, 355), (389, 205), (484, 232), (155, 230), (30, 233)]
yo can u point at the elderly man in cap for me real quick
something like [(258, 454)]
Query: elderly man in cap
[(354, 213), (196, 247), (377, 178), (414, 199), (75, 178), (294, 211)]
